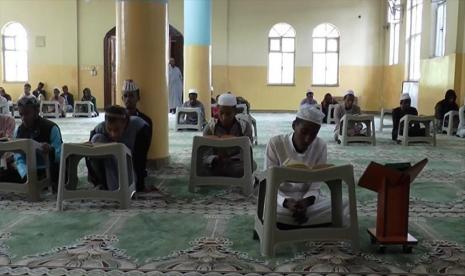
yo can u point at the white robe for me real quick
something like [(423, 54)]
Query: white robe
[(279, 149), (175, 87)]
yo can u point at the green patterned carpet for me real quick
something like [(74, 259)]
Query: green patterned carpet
[(211, 231)]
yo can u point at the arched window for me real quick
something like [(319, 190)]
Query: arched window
[(325, 55), (14, 46), (281, 57)]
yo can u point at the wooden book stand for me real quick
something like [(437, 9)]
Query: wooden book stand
[(392, 183)]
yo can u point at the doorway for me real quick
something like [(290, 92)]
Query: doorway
[(176, 51)]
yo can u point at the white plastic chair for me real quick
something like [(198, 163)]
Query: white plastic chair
[(245, 182), (426, 120), (368, 120), (185, 125), (266, 228), (44, 109), (80, 108), (449, 126), (461, 128), (33, 185), (384, 112), (331, 119), (70, 156)]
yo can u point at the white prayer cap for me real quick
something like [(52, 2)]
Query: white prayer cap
[(349, 92), (227, 100), (405, 96), (310, 113), (193, 91), (309, 91), (129, 86)]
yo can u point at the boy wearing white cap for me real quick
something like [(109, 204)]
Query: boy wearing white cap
[(401, 111), (309, 98), (228, 162), (347, 107), (300, 203), (131, 96), (191, 118)]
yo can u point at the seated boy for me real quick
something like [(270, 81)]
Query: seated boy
[(300, 203), (225, 162), (401, 111), (121, 128), (41, 130), (347, 107), (191, 118), (87, 97)]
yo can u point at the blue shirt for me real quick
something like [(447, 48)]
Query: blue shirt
[(55, 142)]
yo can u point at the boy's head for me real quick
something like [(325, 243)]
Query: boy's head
[(27, 89), (28, 108), (56, 92), (86, 92), (450, 96), (349, 99), (65, 89), (309, 94), (227, 109), (130, 94), (306, 126), (40, 86), (116, 121), (193, 94), (405, 101)]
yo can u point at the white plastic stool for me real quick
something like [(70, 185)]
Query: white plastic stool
[(45, 105), (184, 125), (331, 118), (33, 185), (265, 224), (384, 112), (70, 156), (80, 108), (426, 120), (449, 126), (369, 121), (245, 182)]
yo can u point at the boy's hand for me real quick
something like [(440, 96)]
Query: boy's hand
[(45, 147), (290, 204)]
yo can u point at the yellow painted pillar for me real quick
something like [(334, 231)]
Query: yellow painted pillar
[(141, 55), (197, 50)]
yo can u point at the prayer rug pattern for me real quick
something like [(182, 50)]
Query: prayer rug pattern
[(210, 232)]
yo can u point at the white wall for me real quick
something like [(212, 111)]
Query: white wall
[(250, 21)]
